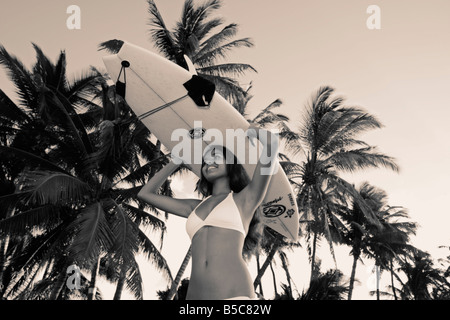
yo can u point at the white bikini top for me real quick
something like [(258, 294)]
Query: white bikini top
[(224, 215)]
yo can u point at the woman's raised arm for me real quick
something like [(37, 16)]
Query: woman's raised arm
[(148, 193), (255, 191)]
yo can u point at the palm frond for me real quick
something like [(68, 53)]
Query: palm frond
[(47, 187), (202, 30), (43, 216), (111, 46), (54, 107), (229, 89), (84, 87), (134, 282), (21, 77), (152, 253), (217, 39), (140, 217), (275, 104), (228, 69), (29, 158), (92, 233), (125, 235), (34, 254), (141, 174), (162, 37), (344, 187), (92, 117), (194, 19), (10, 112), (51, 74), (363, 158), (346, 124), (204, 58)]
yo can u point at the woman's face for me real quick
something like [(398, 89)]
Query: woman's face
[(214, 165)]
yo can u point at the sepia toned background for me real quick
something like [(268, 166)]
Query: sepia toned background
[(400, 74)]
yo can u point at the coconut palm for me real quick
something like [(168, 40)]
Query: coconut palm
[(175, 283), (327, 139), (33, 128), (358, 227), (326, 286), (421, 276), (390, 242), (181, 291), (442, 290), (271, 244), (204, 40), (67, 208)]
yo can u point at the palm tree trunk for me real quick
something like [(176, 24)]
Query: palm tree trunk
[(274, 279), (58, 286), (258, 269), (2, 263), (288, 275), (378, 281), (269, 258), (352, 276), (93, 284), (392, 281), (176, 282), (120, 283), (313, 259)]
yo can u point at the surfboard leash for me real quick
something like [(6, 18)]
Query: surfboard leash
[(121, 86), (168, 104)]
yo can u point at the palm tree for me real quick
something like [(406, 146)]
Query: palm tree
[(358, 229), (180, 294), (271, 244), (327, 138), (421, 275), (66, 208), (175, 283), (390, 242), (326, 286), (33, 128), (195, 36), (442, 289)]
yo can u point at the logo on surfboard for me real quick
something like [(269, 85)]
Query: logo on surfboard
[(271, 209), (274, 210), (197, 133)]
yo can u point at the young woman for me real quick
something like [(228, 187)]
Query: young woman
[(218, 225)]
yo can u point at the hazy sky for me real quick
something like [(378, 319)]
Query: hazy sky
[(399, 73)]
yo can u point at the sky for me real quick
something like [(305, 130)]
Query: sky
[(400, 73)]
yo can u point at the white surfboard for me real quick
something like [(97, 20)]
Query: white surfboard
[(156, 92)]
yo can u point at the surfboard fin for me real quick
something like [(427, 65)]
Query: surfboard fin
[(200, 90), (190, 65)]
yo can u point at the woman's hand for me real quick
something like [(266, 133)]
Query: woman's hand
[(266, 137), (252, 133)]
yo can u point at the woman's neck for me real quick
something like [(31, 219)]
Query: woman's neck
[(221, 186)]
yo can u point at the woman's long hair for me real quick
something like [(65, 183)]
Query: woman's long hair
[(239, 179)]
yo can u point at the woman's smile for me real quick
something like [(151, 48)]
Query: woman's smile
[(211, 167)]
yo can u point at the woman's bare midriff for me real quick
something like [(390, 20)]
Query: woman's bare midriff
[(218, 269)]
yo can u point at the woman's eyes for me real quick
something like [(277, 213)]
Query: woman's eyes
[(217, 159)]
